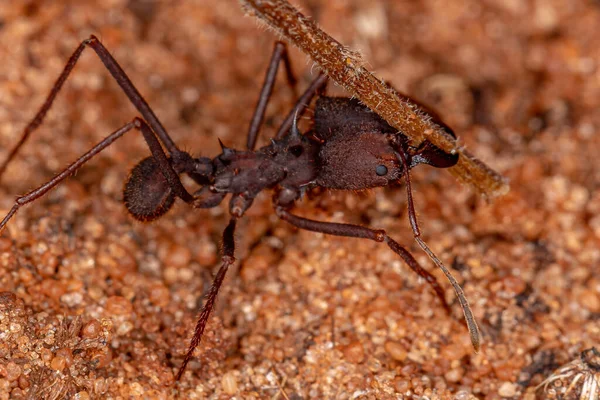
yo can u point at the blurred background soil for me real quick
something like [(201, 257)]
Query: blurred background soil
[(101, 306)]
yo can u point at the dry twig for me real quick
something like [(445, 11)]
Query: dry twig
[(346, 68)]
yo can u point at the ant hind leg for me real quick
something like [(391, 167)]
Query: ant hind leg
[(45, 188), (228, 259), (172, 187), (122, 79)]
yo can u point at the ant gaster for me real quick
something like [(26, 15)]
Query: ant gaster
[(349, 147)]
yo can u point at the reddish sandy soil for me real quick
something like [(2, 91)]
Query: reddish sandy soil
[(97, 305)]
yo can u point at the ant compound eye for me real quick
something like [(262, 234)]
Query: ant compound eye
[(296, 150), (381, 170)]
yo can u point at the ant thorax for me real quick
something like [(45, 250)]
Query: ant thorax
[(289, 162)]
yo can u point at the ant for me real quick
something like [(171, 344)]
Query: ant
[(349, 148)]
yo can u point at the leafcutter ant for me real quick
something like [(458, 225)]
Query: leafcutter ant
[(349, 148)]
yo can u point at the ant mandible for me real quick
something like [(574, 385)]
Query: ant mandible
[(349, 148)]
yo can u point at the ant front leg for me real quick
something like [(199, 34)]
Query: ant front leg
[(228, 259), (122, 79), (379, 235), (412, 217), (280, 54)]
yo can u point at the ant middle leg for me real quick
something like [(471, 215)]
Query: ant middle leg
[(357, 231), (379, 235), (122, 79), (280, 54)]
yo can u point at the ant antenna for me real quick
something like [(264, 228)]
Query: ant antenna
[(462, 299)]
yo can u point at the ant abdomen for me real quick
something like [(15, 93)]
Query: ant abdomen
[(147, 194)]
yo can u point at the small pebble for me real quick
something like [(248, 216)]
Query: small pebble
[(396, 351), (507, 389), (58, 363), (229, 383), (91, 329), (13, 371), (354, 353), (117, 305)]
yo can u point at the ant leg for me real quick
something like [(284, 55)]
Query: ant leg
[(132, 93), (39, 116), (357, 231), (280, 53), (122, 79), (42, 190), (412, 217), (380, 235), (227, 260), (153, 144), (317, 85)]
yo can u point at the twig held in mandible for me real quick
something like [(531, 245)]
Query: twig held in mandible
[(345, 67)]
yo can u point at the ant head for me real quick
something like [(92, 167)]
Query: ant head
[(147, 194), (359, 161)]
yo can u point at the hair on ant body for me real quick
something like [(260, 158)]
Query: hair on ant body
[(349, 148)]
